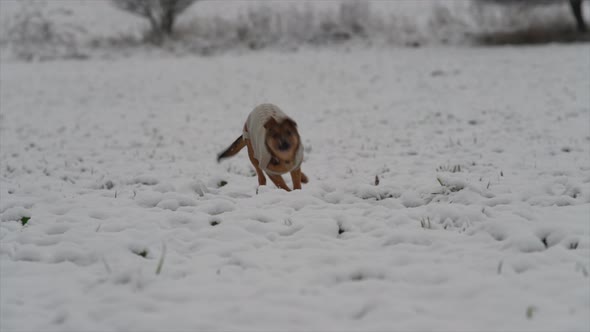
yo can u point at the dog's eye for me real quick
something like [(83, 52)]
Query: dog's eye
[(289, 133)]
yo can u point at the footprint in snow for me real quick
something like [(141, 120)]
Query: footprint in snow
[(28, 253), (100, 215), (73, 254), (149, 198), (217, 207), (145, 180), (15, 214), (168, 204), (57, 229)]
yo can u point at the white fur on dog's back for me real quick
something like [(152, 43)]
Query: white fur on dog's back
[(256, 133)]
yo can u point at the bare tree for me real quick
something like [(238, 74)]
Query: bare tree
[(161, 14), (575, 5)]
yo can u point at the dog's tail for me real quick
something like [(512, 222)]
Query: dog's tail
[(233, 149)]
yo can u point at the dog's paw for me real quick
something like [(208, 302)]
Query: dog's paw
[(304, 178)]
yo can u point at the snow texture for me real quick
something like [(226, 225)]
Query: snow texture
[(480, 220)]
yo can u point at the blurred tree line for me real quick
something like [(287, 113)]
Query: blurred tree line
[(162, 14)]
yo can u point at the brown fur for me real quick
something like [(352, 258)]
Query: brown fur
[(282, 160)]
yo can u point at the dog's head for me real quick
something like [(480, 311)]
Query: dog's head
[(282, 139)]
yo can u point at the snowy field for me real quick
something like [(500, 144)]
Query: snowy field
[(479, 222)]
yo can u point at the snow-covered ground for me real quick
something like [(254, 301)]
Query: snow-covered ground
[(480, 220)]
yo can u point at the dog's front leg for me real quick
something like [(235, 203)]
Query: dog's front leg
[(279, 182), (261, 178), (296, 177), (259, 172)]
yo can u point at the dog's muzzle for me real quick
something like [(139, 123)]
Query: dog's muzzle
[(284, 145)]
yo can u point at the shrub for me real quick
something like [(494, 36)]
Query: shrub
[(161, 14)]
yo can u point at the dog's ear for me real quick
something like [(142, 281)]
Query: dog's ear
[(291, 122), (270, 123)]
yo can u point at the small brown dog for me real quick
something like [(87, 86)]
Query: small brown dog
[(274, 146)]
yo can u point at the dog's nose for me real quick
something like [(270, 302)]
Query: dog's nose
[(283, 145)]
